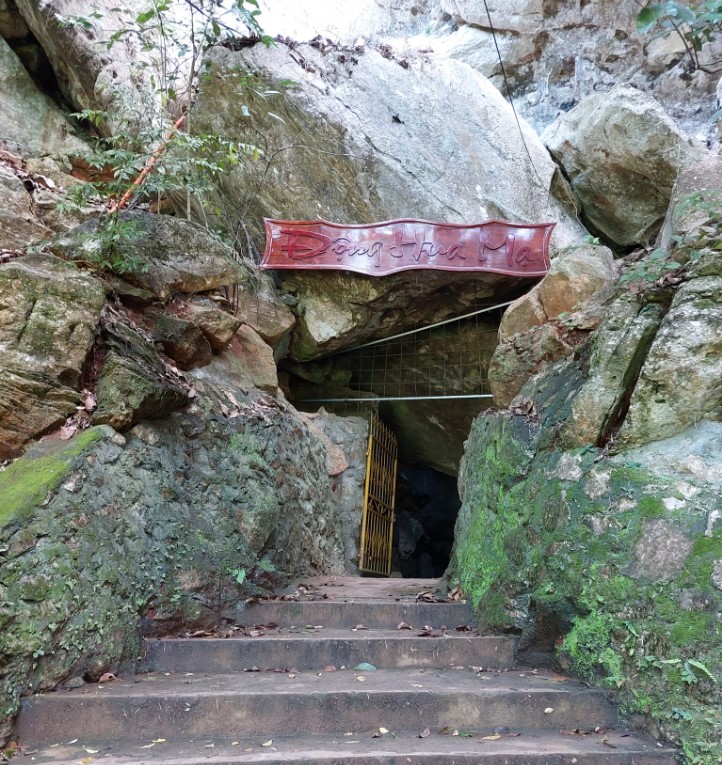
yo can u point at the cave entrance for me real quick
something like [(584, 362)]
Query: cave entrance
[(409, 512), (425, 386)]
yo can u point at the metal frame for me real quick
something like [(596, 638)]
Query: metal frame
[(377, 523)]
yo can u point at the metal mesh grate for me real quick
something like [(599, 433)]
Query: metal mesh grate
[(447, 360)]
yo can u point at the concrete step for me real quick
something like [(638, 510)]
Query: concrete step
[(374, 614), (265, 704), (528, 748), (316, 649)]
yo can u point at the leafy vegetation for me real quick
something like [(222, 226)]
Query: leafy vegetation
[(695, 24), (701, 236), (145, 148)]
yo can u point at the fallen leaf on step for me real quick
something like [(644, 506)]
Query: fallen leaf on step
[(159, 741), (605, 741), (548, 710), (359, 627), (404, 626), (268, 743), (87, 759), (108, 677), (361, 679), (147, 746), (493, 737), (91, 751), (424, 733)]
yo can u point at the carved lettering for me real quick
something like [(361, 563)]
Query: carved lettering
[(385, 248), (297, 251)]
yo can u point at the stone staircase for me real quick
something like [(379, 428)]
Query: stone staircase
[(290, 694)]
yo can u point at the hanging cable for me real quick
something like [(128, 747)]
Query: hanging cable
[(508, 93)]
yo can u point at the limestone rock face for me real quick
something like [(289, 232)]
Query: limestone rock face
[(31, 125), (346, 440), (217, 326), (679, 382), (162, 519), (606, 469), (250, 361), (532, 335), (164, 254), (331, 160), (576, 274), (519, 16), (48, 316), (260, 306), (618, 351), (18, 225), (134, 384), (80, 57), (621, 153), (526, 354)]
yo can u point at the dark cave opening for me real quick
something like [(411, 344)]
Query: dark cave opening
[(427, 503)]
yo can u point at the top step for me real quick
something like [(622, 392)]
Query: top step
[(361, 614), (349, 602)]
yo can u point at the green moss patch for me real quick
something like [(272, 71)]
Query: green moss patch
[(531, 540), (27, 482)]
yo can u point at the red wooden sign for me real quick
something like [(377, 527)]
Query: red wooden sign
[(385, 248)]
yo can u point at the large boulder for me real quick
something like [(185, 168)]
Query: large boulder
[(76, 43), (547, 323), (575, 275), (158, 253), (622, 154), (49, 311), (330, 160), (31, 124)]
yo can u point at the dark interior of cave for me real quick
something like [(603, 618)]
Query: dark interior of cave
[(427, 503)]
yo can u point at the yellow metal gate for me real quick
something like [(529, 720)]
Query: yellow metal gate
[(377, 525)]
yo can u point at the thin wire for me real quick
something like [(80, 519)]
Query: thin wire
[(428, 326), (376, 400), (508, 93)]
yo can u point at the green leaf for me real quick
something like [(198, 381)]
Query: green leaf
[(648, 17), (146, 16), (240, 575), (684, 13), (701, 667)]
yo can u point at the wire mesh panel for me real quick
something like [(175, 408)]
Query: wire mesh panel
[(449, 360), (377, 524)]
